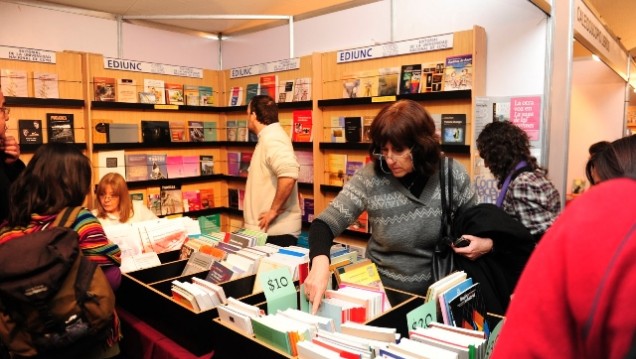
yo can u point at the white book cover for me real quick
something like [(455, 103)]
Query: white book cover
[(111, 161), (14, 83), (156, 87), (45, 85), (126, 90)]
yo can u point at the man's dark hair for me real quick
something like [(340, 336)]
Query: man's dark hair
[(265, 109)]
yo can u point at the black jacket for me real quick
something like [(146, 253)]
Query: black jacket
[(8, 174)]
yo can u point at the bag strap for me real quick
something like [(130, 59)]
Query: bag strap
[(66, 217), (446, 205), (520, 167)]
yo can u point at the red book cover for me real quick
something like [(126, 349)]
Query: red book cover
[(301, 126)]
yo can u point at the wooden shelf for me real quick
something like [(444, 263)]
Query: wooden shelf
[(43, 102), (112, 105), (174, 181), (148, 146), (427, 96), (30, 148), (363, 146)]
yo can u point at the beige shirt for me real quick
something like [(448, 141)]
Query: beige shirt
[(141, 213)]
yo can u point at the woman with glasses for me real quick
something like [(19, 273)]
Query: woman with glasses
[(400, 191), (114, 204), (10, 164)]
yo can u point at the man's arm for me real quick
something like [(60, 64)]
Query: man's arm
[(284, 188)]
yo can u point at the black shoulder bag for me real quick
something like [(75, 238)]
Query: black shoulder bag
[(443, 262)]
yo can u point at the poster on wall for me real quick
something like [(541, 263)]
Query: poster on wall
[(523, 111)]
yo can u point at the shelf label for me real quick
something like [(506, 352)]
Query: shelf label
[(267, 67), (383, 99), (26, 54), (152, 67), (279, 289), (166, 107), (422, 316), (412, 46)]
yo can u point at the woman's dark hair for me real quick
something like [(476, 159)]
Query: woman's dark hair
[(58, 176), (618, 160), (598, 147), (406, 124), (265, 109), (503, 145)]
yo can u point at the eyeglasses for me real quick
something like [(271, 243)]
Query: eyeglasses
[(108, 197), (395, 157), (5, 110)]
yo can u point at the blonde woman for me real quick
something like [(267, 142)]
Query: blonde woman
[(114, 205)]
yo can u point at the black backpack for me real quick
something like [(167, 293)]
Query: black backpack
[(53, 300)]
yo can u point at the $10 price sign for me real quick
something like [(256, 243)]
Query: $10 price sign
[(279, 289)]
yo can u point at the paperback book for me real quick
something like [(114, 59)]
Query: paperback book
[(251, 90), (286, 91), (155, 132), (157, 166), (453, 129), (206, 96), (174, 94), (458, 73), (60, 127), (30, 131), (269, 85), (195, 131), (302, 126), (206, 164), (156, 87), (302, 89), (410, 79), (14, 83), (432, 77), (104, 89), (171, 200), (45, 85), (209, 131), (388, 81), (353, 129), (191, 95), (127, 90)]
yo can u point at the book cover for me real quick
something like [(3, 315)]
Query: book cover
[(241, 198), (458, 73), (501, 111), (302, 89), (366, 128), (233, 163), (308, 210), (104, 89), (14, 83), (469, 309), (60, 127), (235, 96), (233, 198), (191, 166), (206, 96), (45, 85), (195, 131), (241, 131), (350, 86), (437, 120), (156, 87), (100, 130), (337, 129), (136, 167), (206, 196), (122, 133), (219, 273), (251, 90), (147, 97), (306, 161), (111, 161), (336, 168), (177, 131), (244, 165), (126, 90), (368, 83), (286, 91), (209, 131), (157, 166), (30, 131), (210, 223), (191, 95), (191, 201), (174, 94), (353, 129), (174, 164), (302, 126), (231, 127), (155, 132), (171, 199), (154, 200), (206, 163), (432, 77), (352, 167), (446, 296), (388, 81), (269, 85), (410, 79), (453, 129)]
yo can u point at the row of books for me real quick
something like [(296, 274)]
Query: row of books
[(152, 91), (171, 199), (292, 90), (454, 73), (340, 168), (350, 129), (15, 83), (60, 128)]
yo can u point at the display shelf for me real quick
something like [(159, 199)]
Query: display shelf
[(113, 105), (42, 102), (174, 181), (147, 146), (427, 96), (31, 148)]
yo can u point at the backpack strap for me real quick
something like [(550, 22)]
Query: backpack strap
[(66, 217), (444, 188)]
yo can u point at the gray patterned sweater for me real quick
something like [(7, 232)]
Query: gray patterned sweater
[(404, 227)]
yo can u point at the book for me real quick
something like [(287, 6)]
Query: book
[(458, 73), (233, 198), (308, 210), (14, 83), (353, 129), (155, 132), (235, 96), (100, 130), (337, 129), (468, 309), (147, 97), (350, 86), (244, 165), (171, 199), (122, 133), (126, 90), (302, 126), (368, 83), (191, 95), (195, 131), (104, 89), (453, 129), (157, 166), (268, 85), (432, 77), (156, 87), (190, 166), (231, 127), (410, 79), (241, 131), (206, 196), (352, 168), (174, 165), (60, 127), (251, 90), (174, 94), (154, 200), (209, 131), (206, 96), (136, 167), (177, 131), (302, 89), (191, 200), (306, 161), (286, 91), (388, 81), (336, 168), (233, 163), (366, 128), (206, 163), (30, 131), (111, 161), (361, 224), (45, 85), (446, 296)]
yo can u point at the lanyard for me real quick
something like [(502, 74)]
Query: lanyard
[(504, 188)]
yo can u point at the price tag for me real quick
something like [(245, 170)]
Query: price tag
[(422, 316), (279, 289), (384, 99), (166, 107)]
